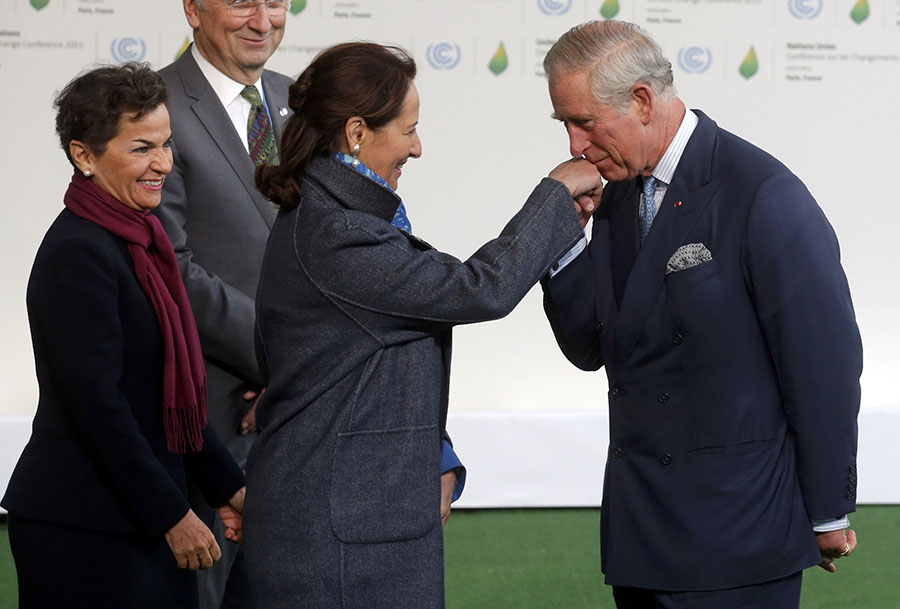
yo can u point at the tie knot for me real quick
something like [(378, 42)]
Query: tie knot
[(251, 94)]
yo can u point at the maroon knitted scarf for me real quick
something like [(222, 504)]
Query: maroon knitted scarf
[(184, 375)]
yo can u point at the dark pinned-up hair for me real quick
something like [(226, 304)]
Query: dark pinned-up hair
[(90, 107), (350, 79)]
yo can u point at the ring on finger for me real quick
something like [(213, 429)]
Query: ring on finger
[(846, 550)]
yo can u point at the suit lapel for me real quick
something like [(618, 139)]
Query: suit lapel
[(625, 240), (210, 112), (687, 197), (276, 101)]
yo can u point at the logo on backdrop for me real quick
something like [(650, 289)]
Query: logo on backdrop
[(694, 60), (443, 55), (39, 4), (609, 9), (499, 61), (805, 9), (128, 49), (554, 7), (297, 6), (750, 65), (860, 11)]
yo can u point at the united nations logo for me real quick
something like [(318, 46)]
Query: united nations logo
[(128, 49), (554, 7), (805, 9), (694, 60), (443, 55)]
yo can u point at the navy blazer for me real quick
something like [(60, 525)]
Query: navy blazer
[(97, 457), (734, 384)]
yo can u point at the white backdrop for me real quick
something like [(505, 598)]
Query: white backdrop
[(815, 82)]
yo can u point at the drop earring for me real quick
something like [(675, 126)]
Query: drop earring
[(355, 153)]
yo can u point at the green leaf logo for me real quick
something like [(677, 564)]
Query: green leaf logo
[(499, 62), (860, 11), (39, 4), (609, 9), (183, 48), (750, 65), (297, 6)]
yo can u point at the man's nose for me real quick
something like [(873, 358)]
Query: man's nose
[(578, 141)]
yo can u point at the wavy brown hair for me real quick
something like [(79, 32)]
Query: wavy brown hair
[(350, 79)]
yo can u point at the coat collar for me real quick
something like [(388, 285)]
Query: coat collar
[(351, 189), (639, 273)]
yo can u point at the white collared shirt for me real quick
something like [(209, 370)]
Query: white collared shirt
[(665, 169), (229, 93)]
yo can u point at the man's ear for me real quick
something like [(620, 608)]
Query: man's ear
[(643, 99), (192, 12)]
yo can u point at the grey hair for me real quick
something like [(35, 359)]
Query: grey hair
[(619, 55)]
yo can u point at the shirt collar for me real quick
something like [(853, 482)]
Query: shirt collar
[(665, 169), (226, 89)]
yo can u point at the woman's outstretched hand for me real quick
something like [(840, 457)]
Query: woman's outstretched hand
[(584, 183)]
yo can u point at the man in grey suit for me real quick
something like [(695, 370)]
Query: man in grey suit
[(216, 219)]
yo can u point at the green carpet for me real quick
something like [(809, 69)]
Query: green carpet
[(549, 559)]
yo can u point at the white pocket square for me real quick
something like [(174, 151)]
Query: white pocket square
[(687, 256)]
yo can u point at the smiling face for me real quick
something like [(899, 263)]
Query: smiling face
[(617, 144), (135, 162), (239, 47), (386, 150)]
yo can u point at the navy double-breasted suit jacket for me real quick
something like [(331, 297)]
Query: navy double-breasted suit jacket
[(733, 384)]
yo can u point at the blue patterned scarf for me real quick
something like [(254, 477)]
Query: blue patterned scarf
[(400, 220)]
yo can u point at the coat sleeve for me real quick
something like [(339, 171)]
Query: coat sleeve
[(381, 279), (78, 319), (225, 316), (792, 265), (214, 470), (570, 306)]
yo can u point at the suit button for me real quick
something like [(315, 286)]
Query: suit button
[(666, 459), (617, 453), (678, 338), (599, 327), (663, 398), (614, 393)]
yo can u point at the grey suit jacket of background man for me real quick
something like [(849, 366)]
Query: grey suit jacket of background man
[(218, 223)]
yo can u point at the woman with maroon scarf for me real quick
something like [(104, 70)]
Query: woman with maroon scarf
[(98, 513)]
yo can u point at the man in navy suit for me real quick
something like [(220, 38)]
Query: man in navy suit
[(712, 292)]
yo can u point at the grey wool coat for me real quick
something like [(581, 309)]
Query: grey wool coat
[(354, 322)]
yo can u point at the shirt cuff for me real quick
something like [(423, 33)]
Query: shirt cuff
[(449, 461), (828, 525), (568, 257)]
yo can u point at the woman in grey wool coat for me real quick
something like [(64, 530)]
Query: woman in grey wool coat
[(354, 317)]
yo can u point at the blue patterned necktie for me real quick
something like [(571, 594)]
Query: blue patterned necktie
[(648, 209)]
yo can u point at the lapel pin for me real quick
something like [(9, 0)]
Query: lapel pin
[(283, 112), (677, 203)]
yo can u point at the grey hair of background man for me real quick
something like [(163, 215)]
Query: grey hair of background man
[(619, 55)]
